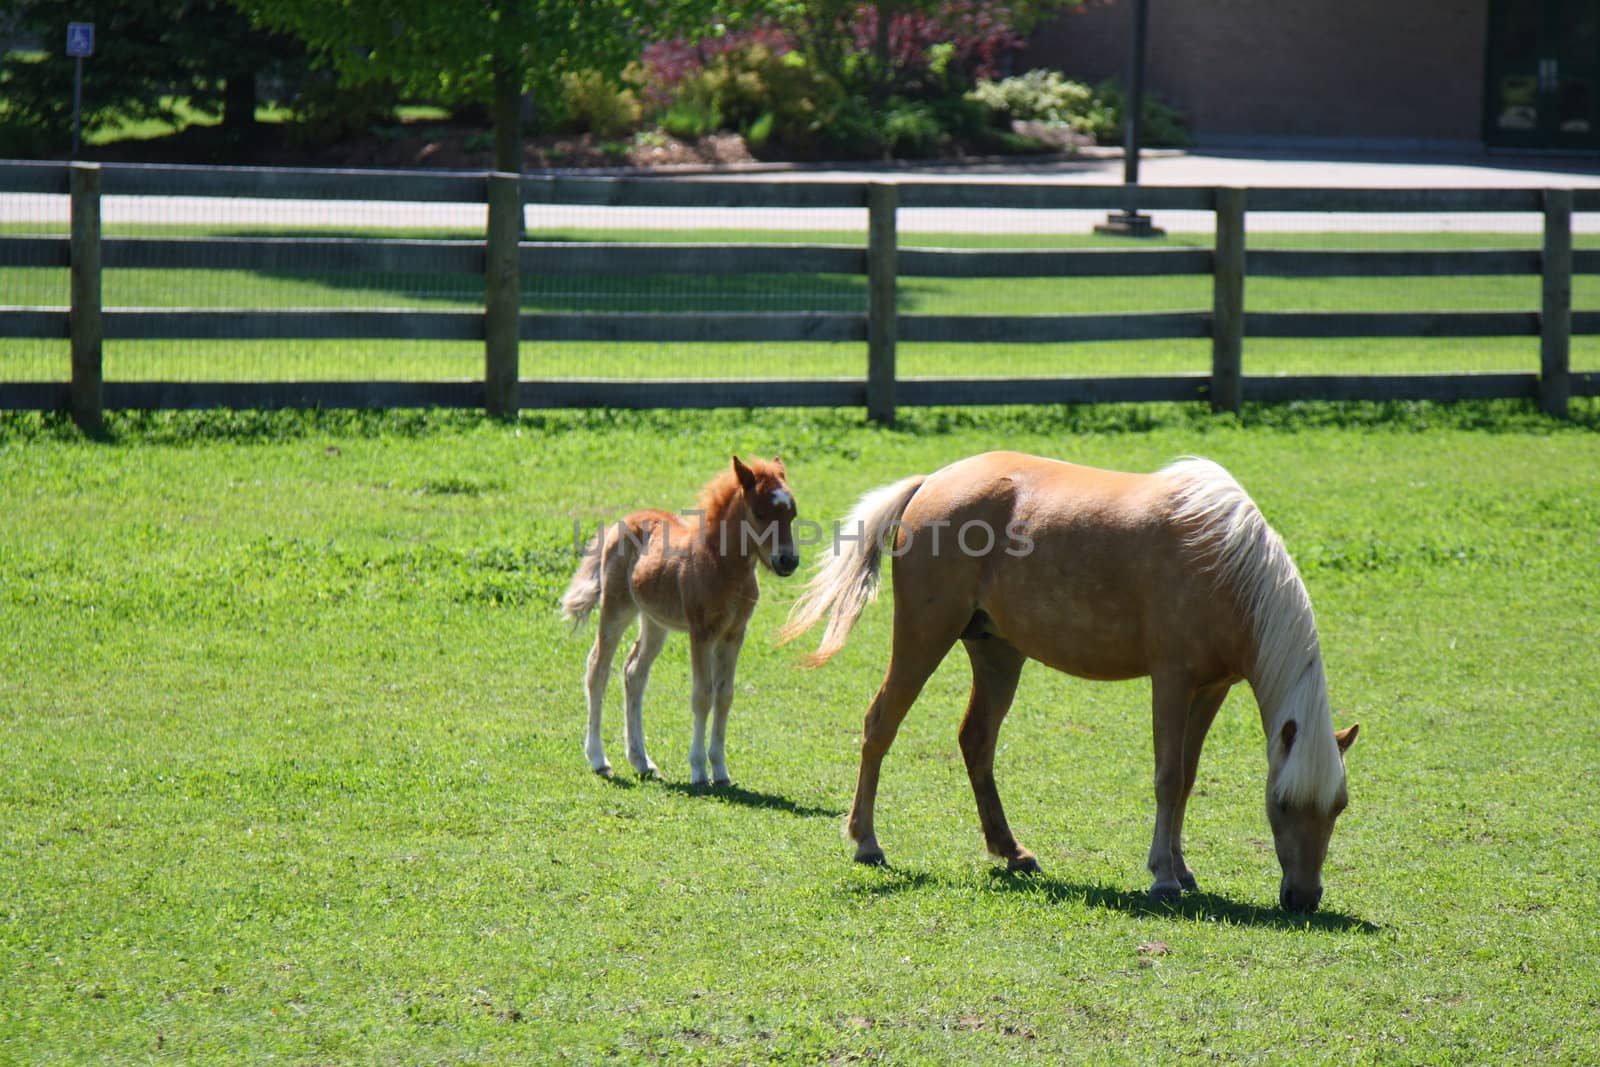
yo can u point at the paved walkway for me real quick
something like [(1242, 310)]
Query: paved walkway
[(1262, 169), (1101, 167)]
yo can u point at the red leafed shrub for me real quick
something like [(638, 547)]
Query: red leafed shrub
[(981, 38)]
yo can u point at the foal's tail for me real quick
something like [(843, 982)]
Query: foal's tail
[(583, 592), (848, 580)]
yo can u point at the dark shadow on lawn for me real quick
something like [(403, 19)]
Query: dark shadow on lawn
[(1198, 906), (751, 798)]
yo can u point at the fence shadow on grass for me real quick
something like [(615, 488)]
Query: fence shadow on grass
[(752, 798), (1198, 907)]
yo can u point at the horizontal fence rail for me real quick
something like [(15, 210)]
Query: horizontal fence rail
[(502, 257)]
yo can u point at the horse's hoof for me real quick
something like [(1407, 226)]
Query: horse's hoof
[(871, 859), (1023, 864), (721, 783), (1165, 894), (1189, 884), (603, 772)]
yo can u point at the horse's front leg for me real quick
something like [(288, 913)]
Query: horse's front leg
[(1169, 715), (1203, 709), (725, 660), (702, 661)]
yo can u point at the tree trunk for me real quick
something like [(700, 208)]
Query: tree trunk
[(507, 112), (881, 53), (239, 107)]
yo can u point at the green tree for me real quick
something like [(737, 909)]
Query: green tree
[(495, 52), (148, 53)]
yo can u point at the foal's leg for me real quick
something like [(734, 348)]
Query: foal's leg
[(635, 676), (910, 666), (725, 660), (996, 666), (614, 618), (702, 660), (1202, 712)]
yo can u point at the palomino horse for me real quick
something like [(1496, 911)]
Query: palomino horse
[(1103, 575), (675, 575)]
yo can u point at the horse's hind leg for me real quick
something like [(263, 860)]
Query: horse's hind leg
[(996, 666), (635, 676), (910, 666), (614, 619)]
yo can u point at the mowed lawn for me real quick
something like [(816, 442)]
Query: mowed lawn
[(291, 768)]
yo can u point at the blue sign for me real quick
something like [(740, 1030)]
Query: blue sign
[(80, 39)]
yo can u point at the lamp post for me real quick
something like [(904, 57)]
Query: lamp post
[(1129, 222)]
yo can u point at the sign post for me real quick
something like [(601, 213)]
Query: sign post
[(80, 43)]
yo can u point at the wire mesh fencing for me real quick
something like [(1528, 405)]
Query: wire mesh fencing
[(371, 289)]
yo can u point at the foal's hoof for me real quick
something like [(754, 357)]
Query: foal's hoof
[(1166, 894), (1023, 863), (1189, 884), (721, 783), (871, 859)]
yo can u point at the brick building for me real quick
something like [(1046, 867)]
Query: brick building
[(1441, 74)]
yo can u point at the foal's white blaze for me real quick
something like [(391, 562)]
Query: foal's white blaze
[(782, 499)]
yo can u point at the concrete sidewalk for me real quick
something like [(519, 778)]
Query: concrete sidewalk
[(1244, 169), (1094, 167), (1264, 168)]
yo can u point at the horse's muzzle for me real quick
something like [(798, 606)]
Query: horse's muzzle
[(1298, 899), (785, 564)]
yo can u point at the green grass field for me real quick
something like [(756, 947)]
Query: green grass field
[(291, 735)]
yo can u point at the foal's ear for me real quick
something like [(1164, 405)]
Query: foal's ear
[(777, 461), (1346, 737), (746, 476)]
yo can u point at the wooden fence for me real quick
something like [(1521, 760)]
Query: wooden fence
[(502, 260)]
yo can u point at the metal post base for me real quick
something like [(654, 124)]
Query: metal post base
[(1129, 224)]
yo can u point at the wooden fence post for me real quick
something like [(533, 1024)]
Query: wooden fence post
[(882, 312), (502, 309), (87, 330), (1227, 303), (1555, 314)]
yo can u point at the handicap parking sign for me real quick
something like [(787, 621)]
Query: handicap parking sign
[(80, 38)]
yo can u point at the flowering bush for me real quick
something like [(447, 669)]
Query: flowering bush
[(964, 38), (1048, 97), (1038, 96), (826, 78)]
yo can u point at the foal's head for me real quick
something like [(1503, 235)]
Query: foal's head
[(769, 514), (1301, 827)]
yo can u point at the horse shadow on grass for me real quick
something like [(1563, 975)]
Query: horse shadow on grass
[(1196, 906), (736, 795)]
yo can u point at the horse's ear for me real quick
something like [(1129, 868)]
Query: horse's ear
[(746, 476), (1287, 734), (1346, 737), (777, 461)]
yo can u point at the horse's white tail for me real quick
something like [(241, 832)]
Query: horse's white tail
[(847, 580)]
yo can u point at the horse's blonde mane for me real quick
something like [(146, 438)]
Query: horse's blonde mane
[(1248, 558)]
